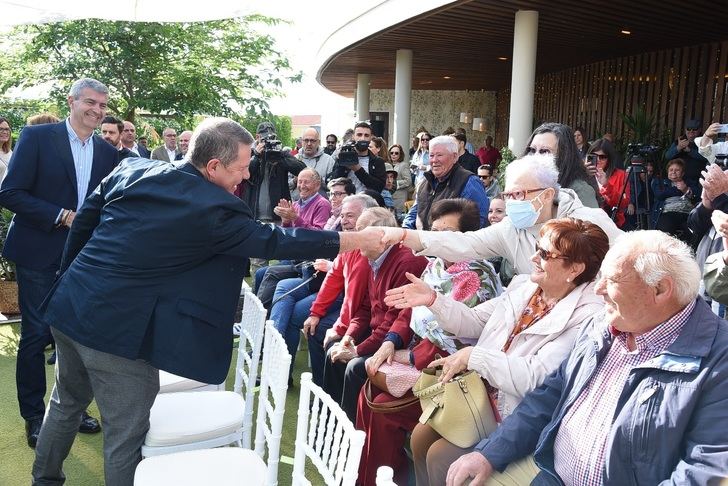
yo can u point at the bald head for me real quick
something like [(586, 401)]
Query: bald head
[(311, 142), (184, 141)]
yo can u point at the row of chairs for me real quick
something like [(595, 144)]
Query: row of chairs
[(188, 429)]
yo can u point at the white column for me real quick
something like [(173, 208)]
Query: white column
[(362, 97), (402, 98), (523, 78)]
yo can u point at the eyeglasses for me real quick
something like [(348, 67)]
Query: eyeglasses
[(520, 195), (425, 139), (5, 130), (310, 140), (547, 255), (541, 151), (338, 194), (602, 156), (484, 177), (394, 152), (330, 142)]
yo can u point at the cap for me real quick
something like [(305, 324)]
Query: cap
[(693, 124), (389, 168), (265, 127)]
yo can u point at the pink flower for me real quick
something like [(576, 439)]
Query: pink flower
[(457, 267), (465, 285)]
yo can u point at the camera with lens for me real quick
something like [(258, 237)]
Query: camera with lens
[(639, 152), (348, 155), (272, 147)]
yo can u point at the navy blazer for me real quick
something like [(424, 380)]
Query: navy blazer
[(41, 180), (154, 263)]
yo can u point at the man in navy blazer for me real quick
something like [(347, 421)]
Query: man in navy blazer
[(53, 168), (150, 280)]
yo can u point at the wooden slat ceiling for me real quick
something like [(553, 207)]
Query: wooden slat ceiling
[(464, 40)]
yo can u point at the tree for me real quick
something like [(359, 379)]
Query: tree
[(178, 69)]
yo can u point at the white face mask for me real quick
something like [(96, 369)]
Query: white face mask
[(523, 214)]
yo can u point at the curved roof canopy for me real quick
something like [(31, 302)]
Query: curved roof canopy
[(468, 44)]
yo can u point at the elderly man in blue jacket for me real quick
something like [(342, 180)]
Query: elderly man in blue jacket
[(643, 397), (150, 279)]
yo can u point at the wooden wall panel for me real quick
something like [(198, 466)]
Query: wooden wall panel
[(672, 85)]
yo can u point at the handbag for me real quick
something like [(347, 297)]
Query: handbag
[(391, 406), (459, 410)]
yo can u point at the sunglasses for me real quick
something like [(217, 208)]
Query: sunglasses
[(547, 255), (602, 156), (425, 139), (394, 152), (484, 177)]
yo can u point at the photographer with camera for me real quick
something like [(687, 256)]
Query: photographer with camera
[(358, 163), (685, 148), (268, 183), (713, 145)]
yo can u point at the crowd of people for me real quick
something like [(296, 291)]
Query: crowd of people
[(584, 294)]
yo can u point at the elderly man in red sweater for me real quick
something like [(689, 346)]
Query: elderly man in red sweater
[(375, 327)]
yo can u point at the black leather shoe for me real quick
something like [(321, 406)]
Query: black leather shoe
[(89, 425), (32, 430), (51, 359)]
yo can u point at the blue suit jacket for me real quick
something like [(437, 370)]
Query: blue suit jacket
[(154, 263), (41, 180)]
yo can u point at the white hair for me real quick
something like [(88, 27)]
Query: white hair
[(540, 167), (450, 143), (656, 255), (84, 83), (379, 217), (366, 201)]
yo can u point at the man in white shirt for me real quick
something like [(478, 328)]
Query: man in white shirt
[(168, 151)]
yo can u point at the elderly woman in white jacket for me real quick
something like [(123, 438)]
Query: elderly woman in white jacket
[(523, 335), (533, 196)]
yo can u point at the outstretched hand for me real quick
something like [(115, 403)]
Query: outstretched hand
[(413, 294)]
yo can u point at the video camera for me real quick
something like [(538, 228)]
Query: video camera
[(348, 156), (638, 153), (272, 147)]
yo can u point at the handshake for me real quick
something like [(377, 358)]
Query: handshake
[(375, 239)]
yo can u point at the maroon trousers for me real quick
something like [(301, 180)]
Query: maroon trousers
[(386, 435)]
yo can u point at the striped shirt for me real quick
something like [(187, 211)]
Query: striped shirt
[(580, 446), (83, 161)]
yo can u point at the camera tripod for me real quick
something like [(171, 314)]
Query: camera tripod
[(637, 187)]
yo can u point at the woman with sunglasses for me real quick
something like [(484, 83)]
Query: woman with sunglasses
[(404, 179), (533, 197), (611, 181), (420, 160), (6, 145), (557, 140), (524, 334)]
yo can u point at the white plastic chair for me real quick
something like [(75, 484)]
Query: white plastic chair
[(327, 437), (171, 383), (187, 421), (234, 466)]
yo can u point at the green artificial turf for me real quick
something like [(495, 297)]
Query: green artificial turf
[(84, 465)]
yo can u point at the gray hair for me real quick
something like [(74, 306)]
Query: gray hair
[(450, 144), (541, 167), (364, 200), (217, 138), (84, 83), (379, 217), (656, 255)]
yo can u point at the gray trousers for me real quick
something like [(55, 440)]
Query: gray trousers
[(124, 390)]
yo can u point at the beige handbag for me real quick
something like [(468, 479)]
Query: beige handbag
[(458, 410)]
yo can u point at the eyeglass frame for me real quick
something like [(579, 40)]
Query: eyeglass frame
[(7, 130), (526, 192), (546, 255)]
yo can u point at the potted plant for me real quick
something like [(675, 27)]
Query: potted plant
[(8, 283)]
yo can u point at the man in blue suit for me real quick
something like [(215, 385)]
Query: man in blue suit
[(53, 168), (150, 280)]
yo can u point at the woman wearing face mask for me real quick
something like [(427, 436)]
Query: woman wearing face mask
[(533, 196)]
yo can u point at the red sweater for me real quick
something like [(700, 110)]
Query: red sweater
[(349, 273), (374, 319)]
